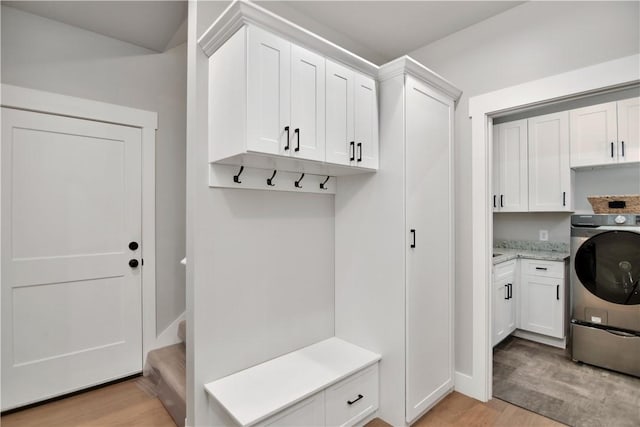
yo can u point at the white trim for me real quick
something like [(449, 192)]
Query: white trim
[(63, 105), (616, 73), (407, 65), (463, 383), (53, 103), (170, 335), (242, 12)]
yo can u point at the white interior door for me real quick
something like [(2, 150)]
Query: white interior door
[(429, 287), (71, 304)]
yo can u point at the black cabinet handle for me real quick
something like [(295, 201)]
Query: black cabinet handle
[(622, 142), (541, 268), (502, 200), (351, 402), (297, 132), (133, 263), (133, 246), (352, 149), (413, 232), (564, 198), (510, 290), (506, 289), (612, 150), (558, 292), (286, 129), (494, 201), (359, 151)]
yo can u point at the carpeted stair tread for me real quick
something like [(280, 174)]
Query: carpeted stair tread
[(167, 365), (182, 331)]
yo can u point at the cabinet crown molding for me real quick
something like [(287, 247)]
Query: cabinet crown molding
[(407, 65), (243, 12)]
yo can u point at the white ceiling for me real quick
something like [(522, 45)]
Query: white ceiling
[(376, 30), (150, 24)]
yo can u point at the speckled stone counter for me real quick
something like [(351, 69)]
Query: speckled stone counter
[(512, 249)]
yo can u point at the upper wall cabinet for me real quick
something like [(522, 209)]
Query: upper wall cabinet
[(276, 100), (352, 118), (510, 192), (605, 134)]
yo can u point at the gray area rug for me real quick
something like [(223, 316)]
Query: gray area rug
[(544, 380)]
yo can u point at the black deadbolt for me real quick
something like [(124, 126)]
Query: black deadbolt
[(133, 263), (133, 246)]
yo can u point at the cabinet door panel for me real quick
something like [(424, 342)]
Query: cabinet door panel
[(512, 164), (593, 131), (366, 122), (429, 335), (549, 170), (542, 303), (307, 104), (629, 130), (268, 92), (340, 113)]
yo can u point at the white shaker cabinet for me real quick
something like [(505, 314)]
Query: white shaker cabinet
[(550, 176), (394, 287), (505, 298), (606, 133), (629, 130), (542, 297), (352, 117), (510, 191)]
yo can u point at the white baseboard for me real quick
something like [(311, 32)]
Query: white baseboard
[(542, 339), (170, 335), (466, 385)]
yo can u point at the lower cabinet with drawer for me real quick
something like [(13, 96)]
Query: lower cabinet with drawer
[(543, 299), (330, 383)]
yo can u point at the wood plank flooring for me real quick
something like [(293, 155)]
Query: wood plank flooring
[(121, 404), (125, 404)]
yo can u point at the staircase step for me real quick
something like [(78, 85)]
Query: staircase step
[(167, 366), (182, 331)]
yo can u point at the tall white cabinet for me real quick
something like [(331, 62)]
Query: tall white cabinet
[(394, 244)]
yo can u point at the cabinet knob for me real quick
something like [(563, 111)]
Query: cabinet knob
[(133, 246), (133, 263)]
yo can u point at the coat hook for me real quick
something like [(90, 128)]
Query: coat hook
[(297, 183), (236, 178), (323, 184), (270, 180)]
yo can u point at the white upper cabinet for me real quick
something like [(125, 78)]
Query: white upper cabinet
[(352, 118), (629, 130), (268, 92), (307, 104), (605, 133), (282, 98), (549, 170), (510, 167), (366, 122)]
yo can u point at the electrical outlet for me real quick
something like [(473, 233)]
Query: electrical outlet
[(544, 235)]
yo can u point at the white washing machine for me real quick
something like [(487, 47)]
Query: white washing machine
[(605, 286)]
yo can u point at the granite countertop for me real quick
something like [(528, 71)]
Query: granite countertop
[(512, 249)]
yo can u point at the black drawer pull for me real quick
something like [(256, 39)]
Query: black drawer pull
[(352, 148), (541, 268), (297, 132), (506, 289), (494, 201), (558, 292), (359, 151), (502, 200), (564, 198), (413, 233), (622, 148), (351, 402), (286, 129)]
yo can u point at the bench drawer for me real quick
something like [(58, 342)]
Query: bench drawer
[(353, 398)]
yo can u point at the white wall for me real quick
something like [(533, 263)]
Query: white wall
[(260, 264), (530, 41), (43, 54)]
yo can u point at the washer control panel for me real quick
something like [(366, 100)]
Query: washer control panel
[(598, 220)]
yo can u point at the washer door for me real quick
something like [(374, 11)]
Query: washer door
[(608, 265)]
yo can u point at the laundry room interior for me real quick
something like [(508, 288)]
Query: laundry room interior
[(320, 213)]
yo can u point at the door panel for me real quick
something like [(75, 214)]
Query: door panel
[(307, 104), (629, 130), (268, 92), (340, 117), (429, 352), (512, 166), (366, 122), (542, 303), (71, 305)]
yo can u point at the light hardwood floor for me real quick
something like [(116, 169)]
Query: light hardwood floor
[(125, 404), (121, 404)]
